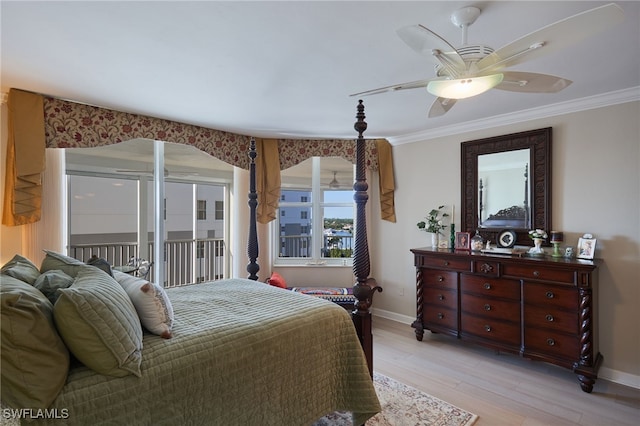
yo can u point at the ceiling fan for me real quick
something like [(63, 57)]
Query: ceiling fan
[(471, 69), (334, 184)]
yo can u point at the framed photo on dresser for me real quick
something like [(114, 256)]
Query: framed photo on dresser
[(586, 248), (463, 241)]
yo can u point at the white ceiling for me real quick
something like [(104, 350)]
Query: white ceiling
[(286, 69)]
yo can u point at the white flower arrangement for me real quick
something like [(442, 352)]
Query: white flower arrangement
[(538, 233)]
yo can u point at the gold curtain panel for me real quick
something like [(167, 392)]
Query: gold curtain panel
[(25, 159)]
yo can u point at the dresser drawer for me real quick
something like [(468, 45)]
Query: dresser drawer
[(553, 343), (490, 308), (544, 317), (492, 287), (551, 296), (491, 329), (441, 297), (442, 279), (444, 263), (440, 317), (486, 268), (539, 272)]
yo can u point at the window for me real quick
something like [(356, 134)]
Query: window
[(106, 218), (116, 208), (202, 210), (219, 214), (319, 228)]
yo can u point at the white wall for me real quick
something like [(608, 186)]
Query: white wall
[(595, 189)]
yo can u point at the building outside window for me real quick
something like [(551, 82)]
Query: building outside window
[(202, 210), (219, 213), (104, 220), (317, 225)]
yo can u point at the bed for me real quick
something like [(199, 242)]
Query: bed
[(237, 351)]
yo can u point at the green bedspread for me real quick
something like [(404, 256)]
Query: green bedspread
[(242, 353)]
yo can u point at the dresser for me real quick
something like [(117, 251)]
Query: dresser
[(541, 308)]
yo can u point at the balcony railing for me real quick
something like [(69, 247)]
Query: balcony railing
[(300, 246), (186, 261)]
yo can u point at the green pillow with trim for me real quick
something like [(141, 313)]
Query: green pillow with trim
[(99, 324), (35, 361), (21, 268), (49, 282), (57, 261)]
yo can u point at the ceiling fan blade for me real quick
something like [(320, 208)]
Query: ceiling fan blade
[(554, 37), (440, 107), (423, 40), (402, 86), (530, 82)]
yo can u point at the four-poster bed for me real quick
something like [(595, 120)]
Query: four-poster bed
[(235, 344)]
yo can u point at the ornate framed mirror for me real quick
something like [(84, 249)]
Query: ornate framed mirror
[(506, 184)]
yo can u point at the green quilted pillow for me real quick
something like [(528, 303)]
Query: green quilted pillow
[(99, 324), (49, 282), (21, 268), (57, 261), (35, 361)]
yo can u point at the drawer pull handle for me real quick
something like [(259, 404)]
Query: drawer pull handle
[(440, 278), (487, 307), (536, 273), (487, 286), (440, 315), (551, 342), (549, 317), (550, 295), (440, 297), (446, 263), (487, 328)]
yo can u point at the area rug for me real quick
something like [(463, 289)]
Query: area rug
[(403, 405)]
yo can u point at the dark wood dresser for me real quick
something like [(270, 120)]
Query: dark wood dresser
[(541, 308)]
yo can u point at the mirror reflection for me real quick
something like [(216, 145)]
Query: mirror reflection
[(504, 190), (529, 202)]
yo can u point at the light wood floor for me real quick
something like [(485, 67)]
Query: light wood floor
[(502, 389)]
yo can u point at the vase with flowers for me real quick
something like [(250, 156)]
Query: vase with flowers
[(433, 224), (538, 236)]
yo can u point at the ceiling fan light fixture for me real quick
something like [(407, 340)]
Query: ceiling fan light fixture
[(334, 184), (463, 87)]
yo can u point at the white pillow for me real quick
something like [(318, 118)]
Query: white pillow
[(151, 302)]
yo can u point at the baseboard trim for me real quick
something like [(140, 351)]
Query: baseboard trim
[(392, 316), (619, 377), (605, 373)]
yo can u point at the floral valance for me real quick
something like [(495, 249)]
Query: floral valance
[(69, 124), (74, 125)]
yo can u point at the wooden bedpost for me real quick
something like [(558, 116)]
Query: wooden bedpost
[(252, 244), (364, 287)]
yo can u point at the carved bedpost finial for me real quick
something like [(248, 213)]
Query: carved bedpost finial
[(360, 125)]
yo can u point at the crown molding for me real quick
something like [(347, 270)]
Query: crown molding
[(583, 104)]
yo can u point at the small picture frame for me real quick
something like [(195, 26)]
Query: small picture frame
[(463, 241), (586, 248), (506, 238)]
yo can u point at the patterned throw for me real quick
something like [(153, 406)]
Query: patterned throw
[(403, 405), (341, 295)]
